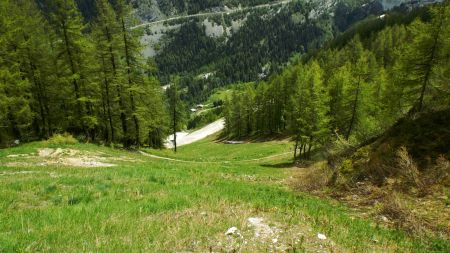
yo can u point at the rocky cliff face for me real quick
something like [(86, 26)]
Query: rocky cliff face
[(148, 10)]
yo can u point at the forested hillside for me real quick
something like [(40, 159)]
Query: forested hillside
[(221, 126), (355, 91), (193, 6), (264, 43), (254, 44), (243, 46), (61, 74)]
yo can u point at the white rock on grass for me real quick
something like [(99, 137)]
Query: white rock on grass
[(384, 218), (232, 231), (321, 236), (261, 229)]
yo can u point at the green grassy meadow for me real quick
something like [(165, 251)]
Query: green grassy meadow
[(144, 204)]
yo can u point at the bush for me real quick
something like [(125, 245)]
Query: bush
[(62, 139), (396, 210), (314, 178), (408, 169), (425, 181), (347, 167), (439, 173)]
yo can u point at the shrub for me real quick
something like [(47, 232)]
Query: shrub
[(408, 169), (347, 167), (423, 180), (62, 139), (394, 208), (313, 178), (439, 173)]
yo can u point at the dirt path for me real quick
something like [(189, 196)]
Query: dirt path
[(184, 138), (206, 162), (213, 13)]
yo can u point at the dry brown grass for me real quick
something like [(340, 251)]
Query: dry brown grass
[(412, 200), (395, 209), (439, 174), (419, 217), (421, 182), (313, 178), (408, 170)]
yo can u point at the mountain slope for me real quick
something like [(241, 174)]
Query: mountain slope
[(154, 205), (250, 45)]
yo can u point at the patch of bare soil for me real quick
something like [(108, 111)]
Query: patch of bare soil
[(12, 173), (65, 157)]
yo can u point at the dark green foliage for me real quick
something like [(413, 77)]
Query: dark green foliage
[(380, 159), (262, 46), (356, 91), (195, 6), (346, 15), (373, 24), (204, 118), (426, 58), (189, 50), (415, 136), (59, 74), (177, 110)]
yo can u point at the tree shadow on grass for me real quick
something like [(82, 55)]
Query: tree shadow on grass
[(284, 165)]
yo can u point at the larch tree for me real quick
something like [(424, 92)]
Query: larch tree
[(131, 49), (34, 56), (105, 30), (72, 52), (176, 110), (337, 85), (359, 61), (421, 58), (15, 111), (312, 111)]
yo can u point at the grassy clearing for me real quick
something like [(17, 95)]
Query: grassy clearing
[(219, 94), (210, 150), (154, 205)]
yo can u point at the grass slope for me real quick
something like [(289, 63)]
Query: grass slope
[(210, 150), (150, 205)]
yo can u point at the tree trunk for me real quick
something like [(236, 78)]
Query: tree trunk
[(135, 120), (302, 150), (123, 119), (40, 101), (310, 146), (354, 110), (39, 91), (428, 70), (296, 147), (14, 127), (108, 102), (74, 81), (133, 105), (104, 119), (175, 124)]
